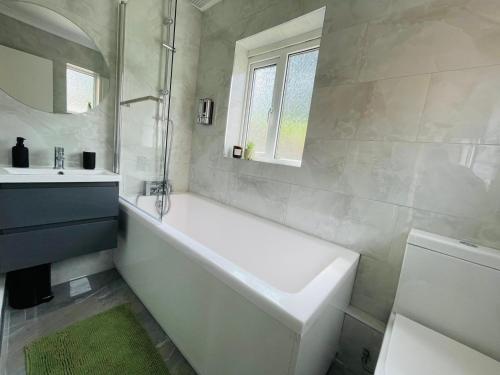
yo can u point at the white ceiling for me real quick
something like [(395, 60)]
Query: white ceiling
[(47, 20)]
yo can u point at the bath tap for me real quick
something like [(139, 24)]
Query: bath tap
[(58, 157)]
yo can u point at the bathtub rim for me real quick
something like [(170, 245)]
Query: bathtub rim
[(298, 311)]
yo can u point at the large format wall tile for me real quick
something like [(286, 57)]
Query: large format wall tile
[(485, 165), (317, 211), (367, 228), (323, 163), (381, 171), (463, 106), (276, 13), (209, 182), (362, 225), (488, 9), (375, 287), (488, 233), (429, 40), (389, 109), (457, 180), (259, 196), (394, 109), (336, 111), (340, 56), (346, 13), (226, 13)]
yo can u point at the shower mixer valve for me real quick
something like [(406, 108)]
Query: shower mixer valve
[(154, 187)]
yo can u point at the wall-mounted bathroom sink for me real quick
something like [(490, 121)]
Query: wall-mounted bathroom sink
[(37, 175)]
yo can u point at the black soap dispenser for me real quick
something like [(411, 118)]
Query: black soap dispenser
[(20, 154)]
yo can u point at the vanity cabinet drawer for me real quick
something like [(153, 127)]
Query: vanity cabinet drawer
[(22, 249), (25, 205)]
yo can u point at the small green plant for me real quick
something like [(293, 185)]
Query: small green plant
[(249, 151)]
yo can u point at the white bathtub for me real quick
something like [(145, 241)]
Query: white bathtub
[(236, 293)]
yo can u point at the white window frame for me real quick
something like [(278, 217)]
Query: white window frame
[(278, 54), (97, 83)]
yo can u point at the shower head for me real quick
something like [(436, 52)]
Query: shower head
[(204, 4)]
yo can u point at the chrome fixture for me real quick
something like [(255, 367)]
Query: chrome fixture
[(168, 46), (163, 202), (58, 157), (168, 21), (122, 12), (154, 187), (162, 99), (141, 99), (205, 111)]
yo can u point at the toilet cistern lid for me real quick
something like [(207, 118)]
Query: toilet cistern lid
[(417, 350)]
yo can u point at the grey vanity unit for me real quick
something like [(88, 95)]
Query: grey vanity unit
[(45, 222)]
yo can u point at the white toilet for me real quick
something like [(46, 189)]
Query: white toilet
[(446, 316)]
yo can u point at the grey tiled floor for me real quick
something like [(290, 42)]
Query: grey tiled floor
[(108, 289)]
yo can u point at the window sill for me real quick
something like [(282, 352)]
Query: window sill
[(287, 163)]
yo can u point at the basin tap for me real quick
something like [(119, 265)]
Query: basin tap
[(58, 157)]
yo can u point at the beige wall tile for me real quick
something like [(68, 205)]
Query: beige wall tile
[(367, 228), (340, 56), (318, 212), (457, 180), (429, 40), (342, 13), (463, 106), (394, 109), (375, 287), (336, 111), (209, 182), (381, 171), (259, 196)]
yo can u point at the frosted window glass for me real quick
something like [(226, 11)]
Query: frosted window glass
[(260, 106), (297, 97), (80, 90)]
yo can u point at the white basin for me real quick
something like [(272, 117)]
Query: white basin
[(34, 175)]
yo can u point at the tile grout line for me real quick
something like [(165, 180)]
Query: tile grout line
[(411, 75), (333, 192)]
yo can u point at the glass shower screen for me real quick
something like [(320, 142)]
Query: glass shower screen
[(143, 113)]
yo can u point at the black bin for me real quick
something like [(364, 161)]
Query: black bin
[(29, 287)]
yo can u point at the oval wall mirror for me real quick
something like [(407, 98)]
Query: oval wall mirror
[(47, 62)]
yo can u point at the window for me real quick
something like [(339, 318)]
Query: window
[(277, 101), (271, 90), (82, 89)]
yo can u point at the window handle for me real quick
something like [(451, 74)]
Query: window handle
[(269, 114)]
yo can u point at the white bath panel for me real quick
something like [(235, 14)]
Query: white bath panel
[(273, 303)]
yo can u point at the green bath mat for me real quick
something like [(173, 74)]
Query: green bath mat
[(110, 343)]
